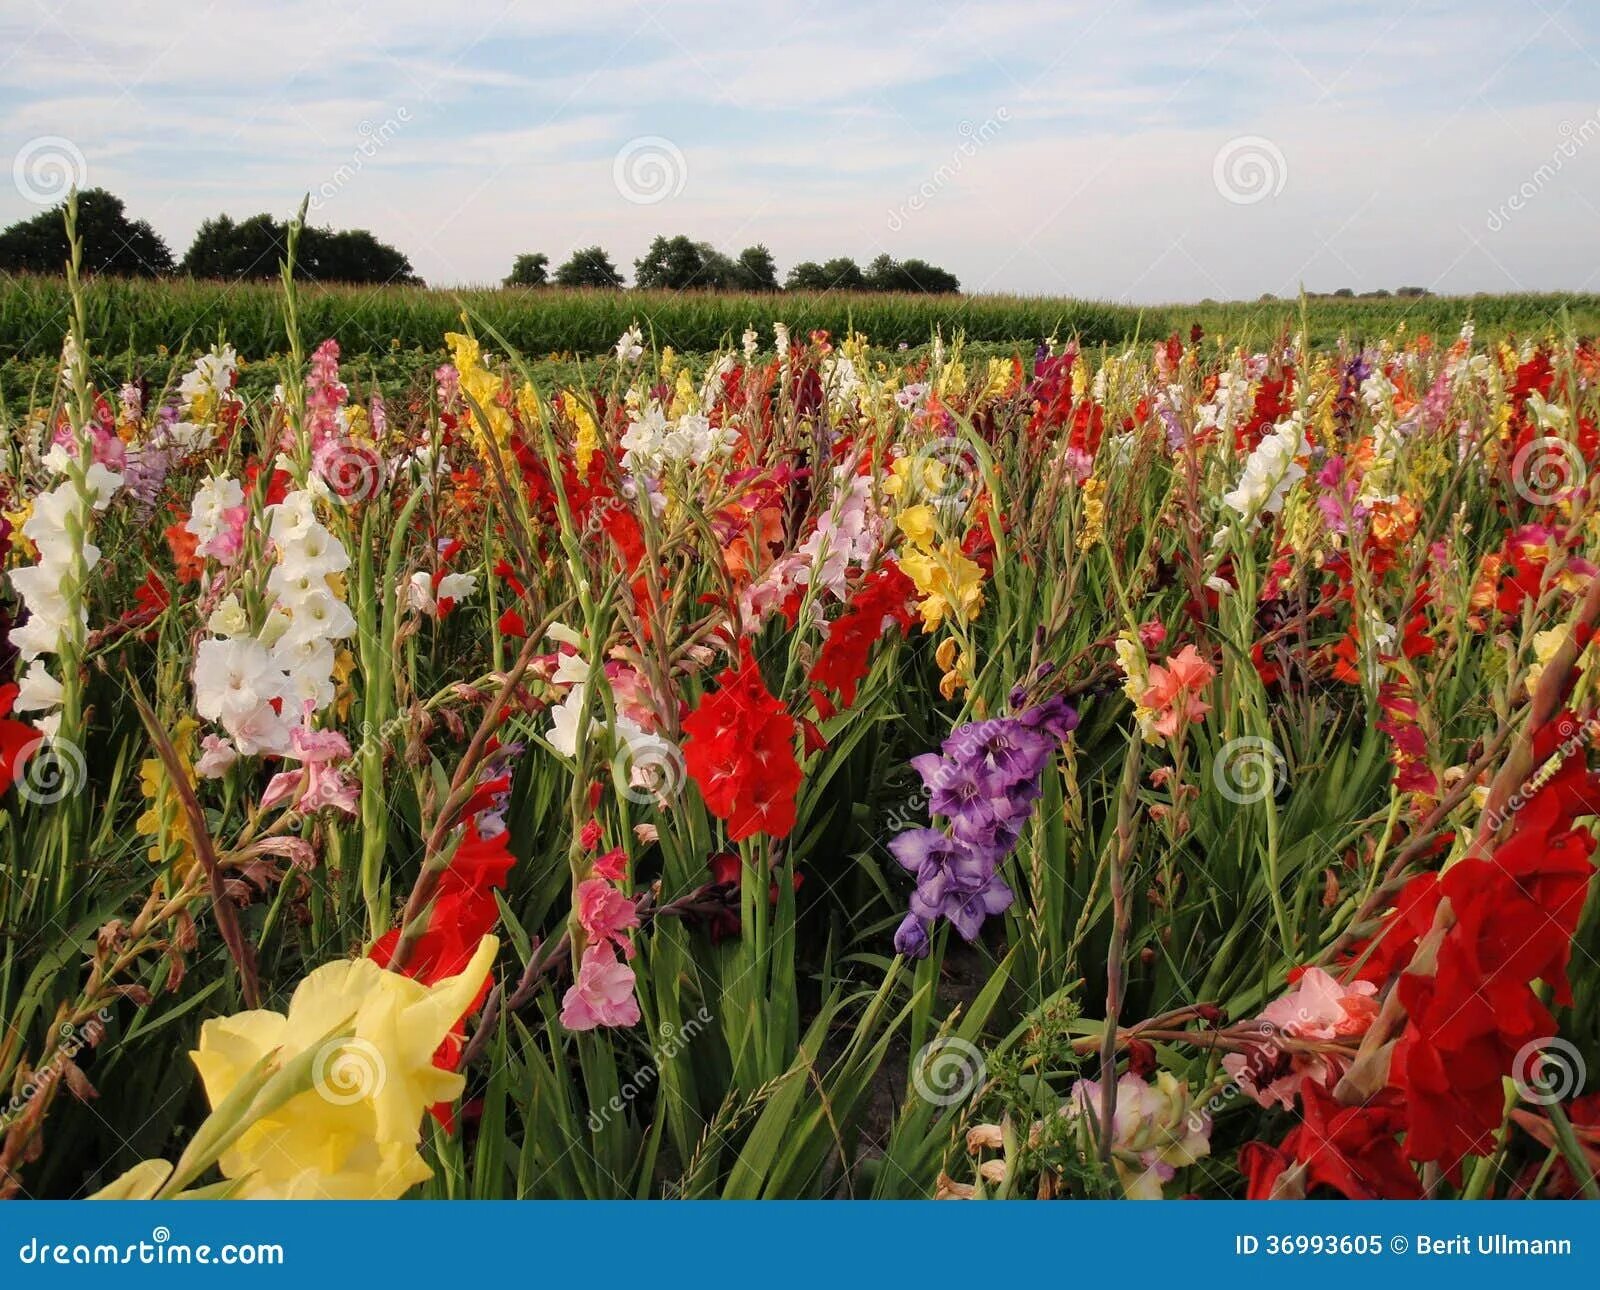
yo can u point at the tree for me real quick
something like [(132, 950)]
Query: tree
[(755, 270), (530, 270), (352, 255), (671, 264), (590, 267), (679, 264), (806, 276), (254, 248), (717, 271), (839, 274), (843, 274), (887, 274), (883, 273), (112, 243)]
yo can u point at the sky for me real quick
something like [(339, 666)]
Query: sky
[(1125, 150)]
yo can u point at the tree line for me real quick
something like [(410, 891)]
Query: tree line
[(115, 244), (253, 248), (680, 263)]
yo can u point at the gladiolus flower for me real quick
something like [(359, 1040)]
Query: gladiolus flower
[(354, 1134), (1174, 691), (603, 993)]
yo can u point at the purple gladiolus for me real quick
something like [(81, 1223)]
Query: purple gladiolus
[(984, 780)]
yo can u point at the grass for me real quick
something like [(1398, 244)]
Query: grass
[(146, 317)]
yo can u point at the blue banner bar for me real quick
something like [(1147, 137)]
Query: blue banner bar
[(809, 1246)]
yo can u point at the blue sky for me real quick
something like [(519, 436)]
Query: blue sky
[(1132, 151)]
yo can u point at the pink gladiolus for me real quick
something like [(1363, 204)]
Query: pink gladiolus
[(1318, 1008), (603, 993), (606, 914), (1175, 690)]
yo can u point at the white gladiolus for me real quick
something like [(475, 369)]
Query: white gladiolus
[(291, 659), (1270, 472), (38, 691), (630, 345), (651, 441), (206, 512), (52, 590)]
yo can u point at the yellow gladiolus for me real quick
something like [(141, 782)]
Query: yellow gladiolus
[(353, 1134), (587, 441), (484, 388), (164, 820), (918, 473), (916, 522), (949, 582)]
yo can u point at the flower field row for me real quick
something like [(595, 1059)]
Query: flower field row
[(1158, 771)]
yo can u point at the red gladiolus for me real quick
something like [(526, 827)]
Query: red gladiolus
[(1514, 916), (15, 736), (882, 599), (1354, 1150), (1261, 1163), (1409, 750), (464, 911), (739, 749), (1395, 944)]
